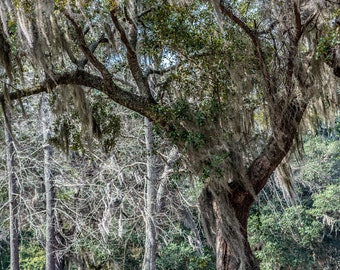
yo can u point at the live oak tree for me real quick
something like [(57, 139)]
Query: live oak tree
[(229, 85)]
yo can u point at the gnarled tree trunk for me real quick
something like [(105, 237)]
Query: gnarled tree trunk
[(226, 226), (225, 206), (224, 254)]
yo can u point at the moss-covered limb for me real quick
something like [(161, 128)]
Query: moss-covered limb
[(87, 51), (132, 101), (277, 147)]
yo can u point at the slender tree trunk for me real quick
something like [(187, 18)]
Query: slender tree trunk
[(149, 262), (12, 193), (50, 247)]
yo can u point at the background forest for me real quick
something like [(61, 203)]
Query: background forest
[(169, 135), (100, 203)]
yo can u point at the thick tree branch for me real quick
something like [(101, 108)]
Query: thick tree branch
[(133, 31), (277, 148), (229, 13), (271, 156), (92, 47), (129, 100), (82, 62), (294, 47), (298, 25)]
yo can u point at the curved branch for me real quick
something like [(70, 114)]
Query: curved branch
[(298, 24), (277, 148), (92, 47), (139, 104), (228, 12)]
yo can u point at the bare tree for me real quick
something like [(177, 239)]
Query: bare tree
[(149, 262), (50, 241), (13, 190), (157, 178)]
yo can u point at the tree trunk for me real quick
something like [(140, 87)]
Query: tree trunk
[(225, 206), (50, 247), (149, 262), (12, 192), (225, 215), (225, 258)]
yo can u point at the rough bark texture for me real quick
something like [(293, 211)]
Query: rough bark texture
[(132, 101), (225, 258), (225, 216), (12, 193)]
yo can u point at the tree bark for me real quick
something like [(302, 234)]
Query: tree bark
[(12, 192), (50, 247), (225, 257), (149, 262), (225, 215)]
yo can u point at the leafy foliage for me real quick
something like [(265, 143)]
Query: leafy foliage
[(32, 256), (330, 39), (180, 255), (305, 235)]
